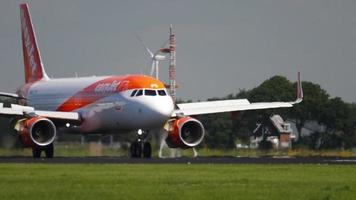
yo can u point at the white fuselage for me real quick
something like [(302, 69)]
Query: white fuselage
[(105, 104)]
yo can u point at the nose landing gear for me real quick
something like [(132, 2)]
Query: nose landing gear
[(140, 147)]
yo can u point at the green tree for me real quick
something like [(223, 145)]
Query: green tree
[(314, 102), (218, 131), (349, 137), (277, 88), (339, 121)]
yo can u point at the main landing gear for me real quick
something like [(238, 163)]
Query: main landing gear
[(37, 150), (140, 147)]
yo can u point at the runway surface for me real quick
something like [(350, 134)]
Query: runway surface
[(184, 160)]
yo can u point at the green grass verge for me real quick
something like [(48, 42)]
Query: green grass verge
[(182, 181), (75, 149)]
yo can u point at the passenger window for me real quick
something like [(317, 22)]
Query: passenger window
[(139, 93), (150, 92), (162, 93), (133, 93)]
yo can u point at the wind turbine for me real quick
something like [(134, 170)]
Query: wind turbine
[(155, 57)]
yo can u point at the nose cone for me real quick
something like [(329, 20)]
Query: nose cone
[(158, 111), (162, 107)]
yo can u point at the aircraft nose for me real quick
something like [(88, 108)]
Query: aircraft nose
[(154, 111), (163, 107)]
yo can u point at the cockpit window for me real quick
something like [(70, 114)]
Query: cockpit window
[(139, 93), (133, 93), (162, 93), (150, 92)]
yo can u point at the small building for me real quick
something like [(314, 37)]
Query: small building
[(275, 130)]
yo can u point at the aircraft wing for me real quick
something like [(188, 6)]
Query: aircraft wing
[(10, 107), (15, 110), (210, 107)]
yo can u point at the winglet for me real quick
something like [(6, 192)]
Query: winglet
[(300, 94)]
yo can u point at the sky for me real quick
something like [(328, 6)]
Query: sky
[(222, 46)]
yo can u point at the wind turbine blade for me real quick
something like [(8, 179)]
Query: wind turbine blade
[(162, 47), (144, 45)]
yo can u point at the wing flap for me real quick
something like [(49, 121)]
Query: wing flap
[(18, 110), (15, 109), (58, 115)]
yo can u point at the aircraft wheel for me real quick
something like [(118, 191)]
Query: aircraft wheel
[(147, 150), (49, 150), (36, 152), (135, 150)]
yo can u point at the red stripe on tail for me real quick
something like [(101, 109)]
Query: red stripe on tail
[(32, 60)]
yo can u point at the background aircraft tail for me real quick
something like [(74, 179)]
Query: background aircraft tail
[(34, 70)]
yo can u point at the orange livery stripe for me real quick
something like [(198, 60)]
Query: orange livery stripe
[(107, 87)]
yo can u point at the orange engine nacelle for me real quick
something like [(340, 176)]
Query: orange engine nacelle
[(185, 133), (36, 131)]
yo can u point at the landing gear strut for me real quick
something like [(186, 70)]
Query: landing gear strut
[(49, 151), (140, 147)]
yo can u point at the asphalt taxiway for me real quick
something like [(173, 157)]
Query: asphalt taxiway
[(183, 160)]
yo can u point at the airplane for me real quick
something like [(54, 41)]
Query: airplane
[(105, 105)]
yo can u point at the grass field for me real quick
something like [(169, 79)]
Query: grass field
[(182, 181), (75, 149)]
